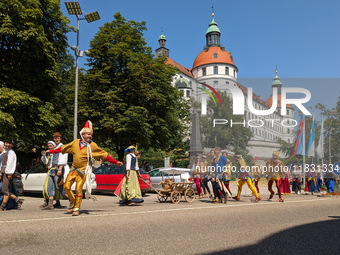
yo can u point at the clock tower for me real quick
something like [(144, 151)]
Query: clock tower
[(162, 51)]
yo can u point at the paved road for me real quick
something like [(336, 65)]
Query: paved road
[(303, 224)]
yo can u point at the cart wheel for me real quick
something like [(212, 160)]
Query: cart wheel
[(189, 195), (176, 197), (162, 198)]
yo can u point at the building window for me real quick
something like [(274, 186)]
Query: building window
[(215, 69), (227, 82), (288, 131), (188, 93), (215, 83), (288, 140), (215, 55), (287, 112), (227, 70), (204, 70), (234, 73)]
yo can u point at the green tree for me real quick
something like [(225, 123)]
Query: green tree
[(32, 42), (64, 97), (332, 132), (26, 117), (33, 57), (127, 92), (224, 136)]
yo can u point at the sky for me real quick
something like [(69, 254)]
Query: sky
[(298, 37)]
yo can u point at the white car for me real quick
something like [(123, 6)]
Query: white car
[(33, 181), (156, 178)]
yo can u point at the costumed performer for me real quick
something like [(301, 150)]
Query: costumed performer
[(244, 177), (274, 169), (219, 164), (83, 150), (227, 171), (8, 167), (130, 192)]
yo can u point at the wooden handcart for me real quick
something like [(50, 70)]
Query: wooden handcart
[(175, 190)]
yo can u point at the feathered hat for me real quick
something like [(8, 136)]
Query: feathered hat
[(276, 153), (87, 128), (131, 148)]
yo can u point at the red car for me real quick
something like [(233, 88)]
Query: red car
[(108, 178)]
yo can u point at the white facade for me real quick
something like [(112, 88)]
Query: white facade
[(266, 129)]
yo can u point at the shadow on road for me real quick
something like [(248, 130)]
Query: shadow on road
[(314, 238)]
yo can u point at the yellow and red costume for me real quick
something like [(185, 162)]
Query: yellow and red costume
[(81, 168), (245, 177), (257, 174), (275, 169)]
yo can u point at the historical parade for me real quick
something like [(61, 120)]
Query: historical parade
[(169, 127)]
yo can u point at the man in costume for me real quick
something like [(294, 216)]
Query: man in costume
[(53, 185), (83, 151), (60, 160), (274, 168), (256, 170), (219, 164), (8, 167), (310, 180), (204, 174), (227, 170), (244, 177), (130, 192), (296, 177)]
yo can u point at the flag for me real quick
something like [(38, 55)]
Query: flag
[(320, 148), (299, 150), (311, 144)]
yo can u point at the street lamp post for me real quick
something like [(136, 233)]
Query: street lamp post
[(73, 8)]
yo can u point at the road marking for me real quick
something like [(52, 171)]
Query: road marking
[(157, 211)]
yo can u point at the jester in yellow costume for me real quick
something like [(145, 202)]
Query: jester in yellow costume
[(257, 173), (275, 169), (245, 177), (83, 151)]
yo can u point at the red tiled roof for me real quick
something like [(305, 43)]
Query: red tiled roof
[(207, 57), (181, 68)]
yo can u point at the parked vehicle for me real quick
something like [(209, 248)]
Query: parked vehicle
[(17, 181), (33, 180), (156, 177), (108, 178)]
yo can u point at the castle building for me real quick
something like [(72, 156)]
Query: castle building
[(215, 66)]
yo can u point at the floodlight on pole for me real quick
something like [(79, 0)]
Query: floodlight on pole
[(93, 16), (73, 8)]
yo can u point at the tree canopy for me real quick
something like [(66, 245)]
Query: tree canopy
[(33, 49), (32, 40), (127, 93), (224, 136)]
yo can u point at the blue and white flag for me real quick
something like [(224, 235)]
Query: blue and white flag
[(320, 148), (311, 144)]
